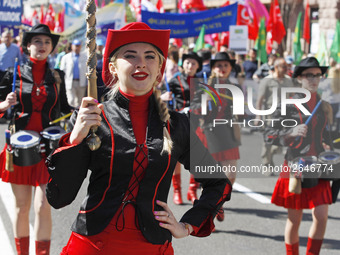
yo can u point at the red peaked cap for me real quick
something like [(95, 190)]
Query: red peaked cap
[(133, 33)]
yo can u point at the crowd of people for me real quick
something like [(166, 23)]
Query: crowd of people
[(149, 119)]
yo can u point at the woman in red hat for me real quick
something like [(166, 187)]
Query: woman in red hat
[(125, 210), (226, 150), (305, 142), (181, 86), (39, 98)]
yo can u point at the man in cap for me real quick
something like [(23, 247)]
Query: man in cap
[(74, 66)]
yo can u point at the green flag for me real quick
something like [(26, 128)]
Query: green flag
[(297, 52), (200, 40), (260, 44), (335, 47), (322, 54)]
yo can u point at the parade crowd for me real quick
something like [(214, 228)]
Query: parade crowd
[(149, 119)]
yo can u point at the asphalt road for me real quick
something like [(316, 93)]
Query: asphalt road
[(252, 224)]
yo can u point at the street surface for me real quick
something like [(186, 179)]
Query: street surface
[(252, 225)]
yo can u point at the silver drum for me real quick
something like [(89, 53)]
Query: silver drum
[(26, 148), (51, 137), (331, 161)]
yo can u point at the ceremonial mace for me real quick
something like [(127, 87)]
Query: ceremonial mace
[(9, 151), (93, 141)]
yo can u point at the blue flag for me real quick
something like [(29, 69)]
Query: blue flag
[(190, 24), (10, 12)]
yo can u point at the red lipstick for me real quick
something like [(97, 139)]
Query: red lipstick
[(140, 76)]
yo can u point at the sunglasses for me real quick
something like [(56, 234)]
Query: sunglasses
[(311, 76)]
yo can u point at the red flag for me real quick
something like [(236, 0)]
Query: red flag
[(253, 29), (242, 15), (244, 19), (269, 43), (26, 21), (62, 19), (197, 4), (49, 19), (226, 4), (160, 6), (180, 6), (96, 2), (215, 37), (275, 23), (178, 42), (59, 24), (103, 3), (42, 16), (306, 24), (224, 38), (35, 18)]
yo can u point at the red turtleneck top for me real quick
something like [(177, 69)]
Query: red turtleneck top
[(138, 110), (38, 95)]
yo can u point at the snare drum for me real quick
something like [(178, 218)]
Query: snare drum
[(26, 148), (51, 137), (308, 167), (330, 171)]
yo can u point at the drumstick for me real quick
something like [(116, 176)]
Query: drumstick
[(9, 154), (311, 116), (61, 118), (336, 140), (168, 89), (205, 79), (15, 74), (313, 112)]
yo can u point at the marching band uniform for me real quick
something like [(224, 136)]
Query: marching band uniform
[(129, 174), (181, 86), (41, 98), (223, 141), (310, 197), (39, 104), (317, 134)]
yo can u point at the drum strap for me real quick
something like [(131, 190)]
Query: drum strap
[(57, 79)]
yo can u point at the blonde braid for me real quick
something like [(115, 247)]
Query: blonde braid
[(165, 117)]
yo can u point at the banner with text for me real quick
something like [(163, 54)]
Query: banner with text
[(10, 12), (190, 24), (111, 16)]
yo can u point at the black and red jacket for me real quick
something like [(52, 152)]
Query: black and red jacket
[(275, 133), (111, 168), (56, 100), (181, 90)]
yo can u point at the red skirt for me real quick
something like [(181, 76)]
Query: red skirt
[(231, 154), (111, 241), (309, 197), (34, 175)]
